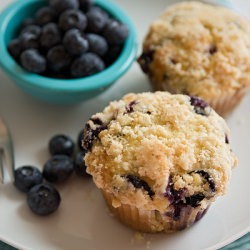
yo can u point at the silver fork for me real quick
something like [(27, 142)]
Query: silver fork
[(6, 153)]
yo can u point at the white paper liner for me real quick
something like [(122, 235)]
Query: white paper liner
[(149, 221)]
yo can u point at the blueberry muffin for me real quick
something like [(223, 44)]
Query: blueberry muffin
[(159, 159), (200, 50)]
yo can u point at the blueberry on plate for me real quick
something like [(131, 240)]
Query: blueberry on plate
[(116, 33), (97, 44), (70, 19), (50, 36), (75, 43), (62, 5), (61, 144), (86, 65), (45, 15), (15, 48), (33, 61), (43, 199), (97, 19), (58, 168), (79, 164), (58, 59), (26, 177)]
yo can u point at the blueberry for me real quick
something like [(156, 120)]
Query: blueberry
[(58, 168), (61, 144), (139, 183), (112, 54), (33, 29), (27, 22), (91, 134), (75, 43), (29, 41), (50, 36), (58, 59), (97, 44), (80, 139), (85, 5), (26, 177), (64, 74), (175, 213), (175, 196), (43, 199), (213, 49), (194, 200), (176, 199), (70, 19), (97, 121), (208, 178), (33, 61), (116, 33), (15, 48), (97, 19), (62, 5), (200, 106), (226, 139), (86, 65), (200, 214), (130, 107), (79, 164), (145, 60), (45, 15), (180, 199)]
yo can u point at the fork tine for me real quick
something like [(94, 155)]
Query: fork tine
[(1, 167), (9, 159), (7, 153)]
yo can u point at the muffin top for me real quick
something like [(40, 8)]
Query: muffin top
[(198, 49), (150, 149)]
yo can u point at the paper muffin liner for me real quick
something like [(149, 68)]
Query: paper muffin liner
[(223, 105), (228, 102), (150, 221)]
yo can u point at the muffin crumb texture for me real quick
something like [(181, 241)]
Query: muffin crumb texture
[(159, 152), (199, 49)]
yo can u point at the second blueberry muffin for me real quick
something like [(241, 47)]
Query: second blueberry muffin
[(201, 50), (160, 160)]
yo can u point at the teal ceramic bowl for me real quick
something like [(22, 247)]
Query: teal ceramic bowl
[(61, 91)]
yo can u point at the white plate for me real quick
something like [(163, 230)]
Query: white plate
[(82, 221)]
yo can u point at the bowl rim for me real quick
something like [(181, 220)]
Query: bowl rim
[(99, 80)]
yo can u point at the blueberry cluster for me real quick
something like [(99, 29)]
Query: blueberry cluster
[(68, 39), (42, 197), (180, 199)]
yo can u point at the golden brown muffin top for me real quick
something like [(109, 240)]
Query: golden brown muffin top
[(199, 49), (147, 147)]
